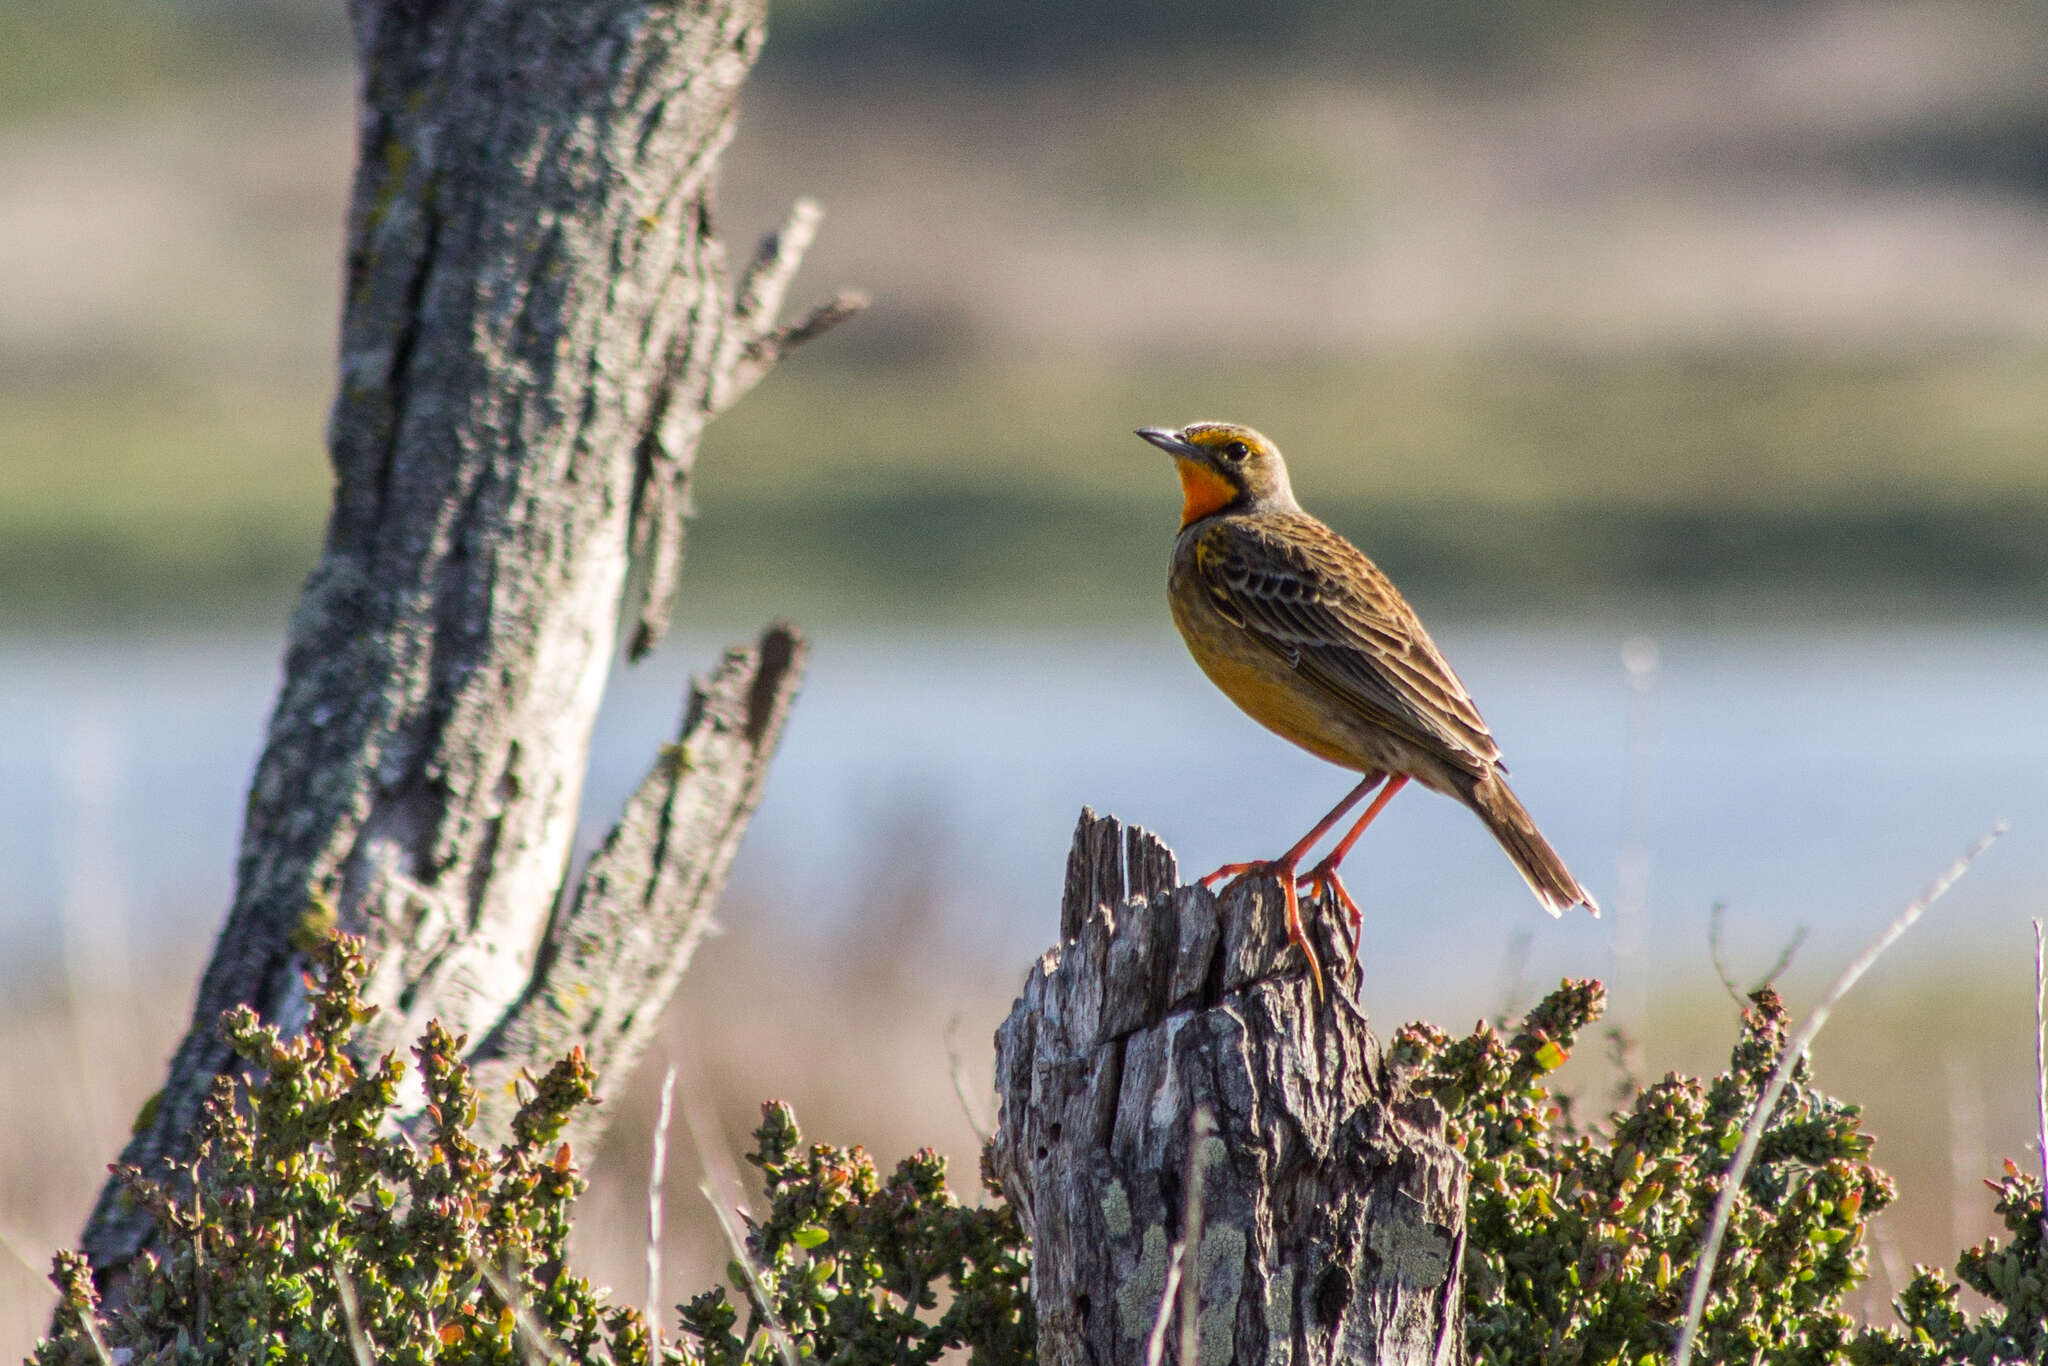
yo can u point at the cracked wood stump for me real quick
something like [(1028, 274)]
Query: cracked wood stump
[(537, 327), (1331, 1212)]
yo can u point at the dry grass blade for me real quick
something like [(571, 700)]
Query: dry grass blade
[(1795, 1048), (90, 1324), (1191, 1275), (776, 1332), (1155, 1344), (1889, 1264), (2041, 1065), (358, 1340), (721, 1188), (531, 1329), (1183, 1284), (13, 1248), (1634, 863), (657, 1171)]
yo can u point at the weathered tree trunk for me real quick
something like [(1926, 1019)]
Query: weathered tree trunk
[(536, 329), (1331, 1209)]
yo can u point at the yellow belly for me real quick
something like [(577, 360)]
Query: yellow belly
[(1269, 691)]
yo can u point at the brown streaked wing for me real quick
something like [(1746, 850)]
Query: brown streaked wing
[(1309, 595)]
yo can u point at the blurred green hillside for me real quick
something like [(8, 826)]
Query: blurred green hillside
[(1582, 309)]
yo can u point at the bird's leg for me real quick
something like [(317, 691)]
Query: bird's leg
[(1324, 874), (1291, 860), (1284, 866)]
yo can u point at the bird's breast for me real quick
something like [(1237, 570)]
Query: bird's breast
[(1263, 685)]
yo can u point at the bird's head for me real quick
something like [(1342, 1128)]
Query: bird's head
[(1223, 468)]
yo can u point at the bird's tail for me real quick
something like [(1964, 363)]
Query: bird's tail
[(1534, 859)]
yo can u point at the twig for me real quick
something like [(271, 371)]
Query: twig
[(776, 260), (2041, 1064), (1714, 918), (753, 342), (1795, 1049), (537, 1335), (1785, 957), (358, 1340), (656, 1172), (760, 354), (958, 1066)]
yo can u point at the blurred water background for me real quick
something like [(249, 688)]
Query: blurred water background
[(1687, 365)]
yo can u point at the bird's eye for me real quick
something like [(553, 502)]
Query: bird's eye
[(1237, 450)]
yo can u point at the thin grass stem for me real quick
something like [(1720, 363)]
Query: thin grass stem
[(535, 1333), (657, 1172), (720, 1171), (358, 1340), (2041, 1065), (1155, 1344), (1795, 1049), (1191, 1224)]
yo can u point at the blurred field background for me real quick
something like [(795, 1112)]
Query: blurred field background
[(1719, 329)]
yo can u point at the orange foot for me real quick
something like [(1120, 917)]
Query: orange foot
[(1296, 935), (1324, 875)]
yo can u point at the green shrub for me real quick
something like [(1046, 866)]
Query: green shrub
[(299, 1188), (847, 1268), (1581, 1242), (308, 1227), (306, 1219)]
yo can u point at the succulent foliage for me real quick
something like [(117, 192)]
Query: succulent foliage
[(1582, 1241), (312, 1227), (309, 1229), (849, 1268)]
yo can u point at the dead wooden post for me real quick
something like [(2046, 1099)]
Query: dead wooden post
[(1332, 1220), (537, 326)]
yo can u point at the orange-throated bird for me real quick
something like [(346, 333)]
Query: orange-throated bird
[(1305, 634)]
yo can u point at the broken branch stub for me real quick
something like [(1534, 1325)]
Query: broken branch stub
[(617, 951), (1332, 1221)]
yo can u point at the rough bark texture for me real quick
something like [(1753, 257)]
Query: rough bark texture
[(536, 329), (611, 962), (1332, 1209)]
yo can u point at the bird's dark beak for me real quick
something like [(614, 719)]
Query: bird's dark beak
[(1171, 442)]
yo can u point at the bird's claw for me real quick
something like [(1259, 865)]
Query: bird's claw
[(1297, 935), (1324, 876), (1231, 871)]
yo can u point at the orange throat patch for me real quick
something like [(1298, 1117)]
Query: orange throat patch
[(1203, 491)]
